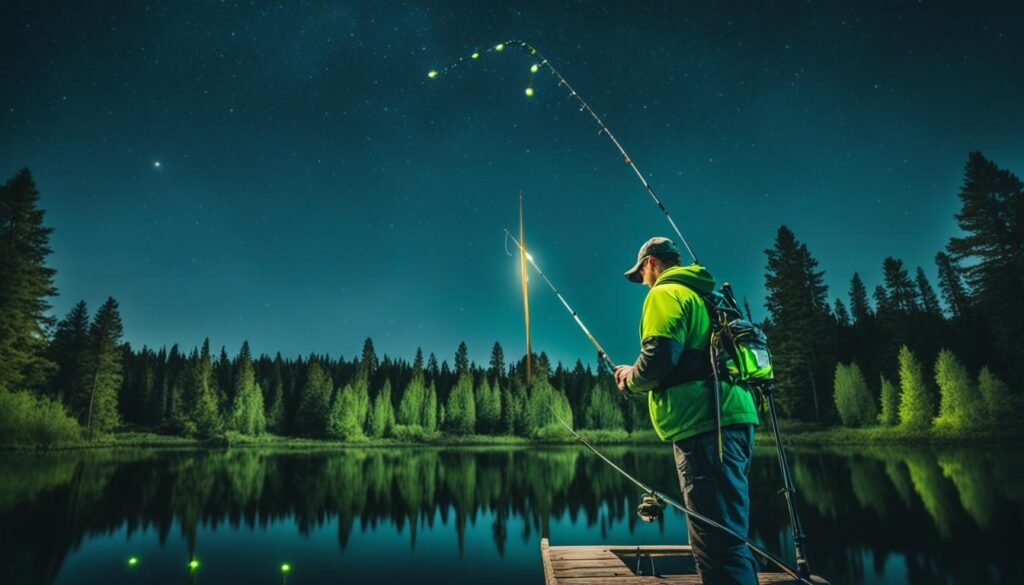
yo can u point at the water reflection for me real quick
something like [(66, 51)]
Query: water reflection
[(874, 515)]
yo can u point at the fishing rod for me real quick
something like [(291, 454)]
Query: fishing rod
[(584, 107), (664, 499), (600, 350)]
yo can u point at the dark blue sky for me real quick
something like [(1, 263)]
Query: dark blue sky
[(316, 188)]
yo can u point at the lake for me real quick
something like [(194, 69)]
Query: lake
[(461, 515)]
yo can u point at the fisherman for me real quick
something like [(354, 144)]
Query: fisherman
[(674, 372)]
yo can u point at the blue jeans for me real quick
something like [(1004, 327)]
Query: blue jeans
[(718, 490)]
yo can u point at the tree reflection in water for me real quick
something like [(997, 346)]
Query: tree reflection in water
[(942, 513)]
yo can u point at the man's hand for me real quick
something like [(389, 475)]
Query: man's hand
[(622, 374)]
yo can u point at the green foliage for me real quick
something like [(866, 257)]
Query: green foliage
[(488, 407), (602, 411), (247, 414), (890, 400), (70, 351), (25, 283), (917, 407), (311, 419), (543, 405), (410, 408), (344, 421), (105, 368), (1000, 407), (960, 405), (28, 419), (853, 398), (460, 410), (382, 413), (430, 422)]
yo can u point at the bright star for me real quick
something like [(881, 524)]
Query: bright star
[(156, 164)]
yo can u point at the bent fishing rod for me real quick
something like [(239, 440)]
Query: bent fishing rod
[(600, 350), (584, 107), (662, 498)]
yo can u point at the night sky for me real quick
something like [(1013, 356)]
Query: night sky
[(286, 173)]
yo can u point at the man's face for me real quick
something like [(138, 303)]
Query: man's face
[(647, 271)]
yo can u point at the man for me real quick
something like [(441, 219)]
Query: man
[(674, 372)]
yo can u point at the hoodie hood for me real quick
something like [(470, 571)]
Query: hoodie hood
[(695, 277)]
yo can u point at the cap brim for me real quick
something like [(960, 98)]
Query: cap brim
[(634, 273)]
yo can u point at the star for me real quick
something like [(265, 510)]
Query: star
[(156, 164)]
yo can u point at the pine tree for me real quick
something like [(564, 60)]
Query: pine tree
[(958, 397), (507, 425), (842, 315), (461, 359), (70, 351), (315, 410), (800, 325), (992, 251), (1000, 406), (460, 409), (488, 406), (854, 403), (859, 308), (205, 413), (602, 411), (900, 290), (497, 365), (247, 416), (917, 407), (951, 283), (430, 419), (368, 363), (25, 283), (275, 401), (929, 301), (382, 413), (225, 381), (410, 408), (105, 368), (889, 415)]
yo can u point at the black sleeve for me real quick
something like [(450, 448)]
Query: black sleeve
[(658, 355)]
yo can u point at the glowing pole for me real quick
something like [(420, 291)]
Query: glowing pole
[(285, 569), (526, 294)]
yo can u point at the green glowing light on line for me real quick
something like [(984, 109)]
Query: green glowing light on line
[(529, 92), (533, 51), (499, 47), (133, 561), (285, 568), (432, 73), (534, 68), (475, 55), (193, 565)]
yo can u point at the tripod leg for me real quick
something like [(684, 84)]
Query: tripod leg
[(788, 489)]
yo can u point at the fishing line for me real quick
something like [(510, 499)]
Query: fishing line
[(584, 107), (667, 500), (600, 350)]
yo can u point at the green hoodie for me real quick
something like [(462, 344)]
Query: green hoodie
[(674, 309)]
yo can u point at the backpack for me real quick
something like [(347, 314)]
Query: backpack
[(739, 348)]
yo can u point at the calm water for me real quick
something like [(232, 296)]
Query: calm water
[(878, 515)]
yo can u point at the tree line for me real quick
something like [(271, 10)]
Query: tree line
[(57, 377), (973, 325)]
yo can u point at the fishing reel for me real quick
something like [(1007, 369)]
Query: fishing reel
[(650, 507)]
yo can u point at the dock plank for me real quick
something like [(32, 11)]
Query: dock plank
[(607, 565)]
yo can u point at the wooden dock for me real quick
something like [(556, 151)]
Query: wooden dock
[(607, 565)]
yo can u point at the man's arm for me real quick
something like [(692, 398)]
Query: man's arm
[(658, 355)]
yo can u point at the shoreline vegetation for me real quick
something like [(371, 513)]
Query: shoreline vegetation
[(899, 366), (794, 434)]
